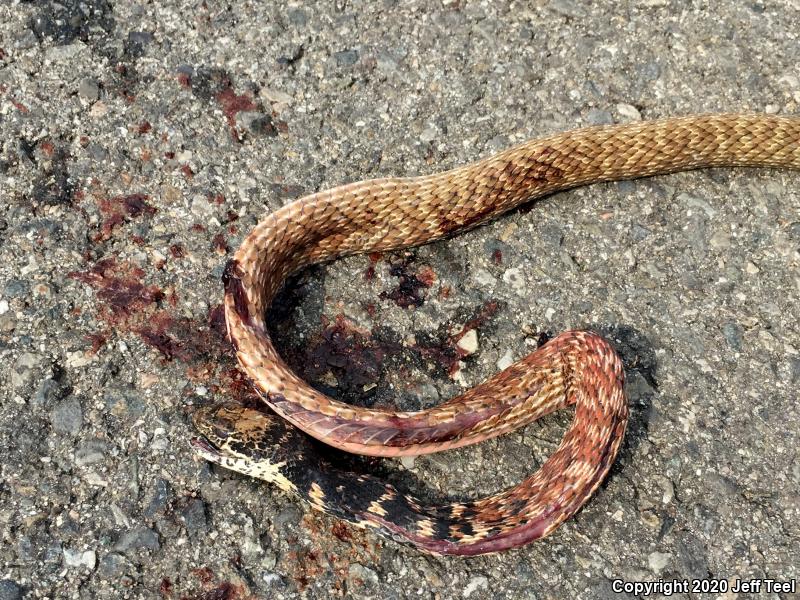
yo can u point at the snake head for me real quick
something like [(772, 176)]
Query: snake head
[(243, 440), (243, 433)]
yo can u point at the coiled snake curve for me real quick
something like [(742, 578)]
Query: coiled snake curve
[(576, 368)]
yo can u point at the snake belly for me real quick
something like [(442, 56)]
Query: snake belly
[(576, 368)]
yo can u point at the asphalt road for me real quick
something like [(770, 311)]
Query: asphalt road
[(139, 142)]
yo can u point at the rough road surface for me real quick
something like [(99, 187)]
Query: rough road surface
[(139, 141)]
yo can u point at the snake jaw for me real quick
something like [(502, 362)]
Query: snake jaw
[(206, 450)]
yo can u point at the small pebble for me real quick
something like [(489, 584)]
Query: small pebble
[(476, 583), (658, 561), (629, 112), (139, 537), (469, 342), (90, 452), (67, 416), (346, 58), (194, 517), (10, 590), (506, 360), (89, 89), (77, 559)]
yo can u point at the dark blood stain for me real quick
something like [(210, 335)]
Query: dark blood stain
[(119, 209), (128, 305), (217, 85), (411, 286), (98, 340), (165, 587), (232, 281), (47, 147), (120, 287), (306, 566), (374, 257), (224, 591), (342, 531), (204, 574), (219, 244), (359, 359), (348, 353), (216, 320), (232, 104), (444, 350)]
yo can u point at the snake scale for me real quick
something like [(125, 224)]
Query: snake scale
[(576, 368)]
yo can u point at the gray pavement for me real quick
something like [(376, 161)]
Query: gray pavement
[(139, 142)]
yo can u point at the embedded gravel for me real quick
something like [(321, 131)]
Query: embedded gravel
[(140, 141)]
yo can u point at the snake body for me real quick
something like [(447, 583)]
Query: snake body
[(576, 368)]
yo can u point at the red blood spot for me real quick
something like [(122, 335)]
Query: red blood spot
[(342, 531), (411, 286), (374, 257), (98, 340), (119, 209), (426, 276), (219, 244), (204, 574), (165, 587), (231, 105)]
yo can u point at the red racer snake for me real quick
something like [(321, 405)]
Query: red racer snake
[(576, 368)]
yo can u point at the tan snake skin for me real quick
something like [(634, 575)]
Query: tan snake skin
[(575, 368)]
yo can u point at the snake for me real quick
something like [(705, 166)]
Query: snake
[(576, 369)]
